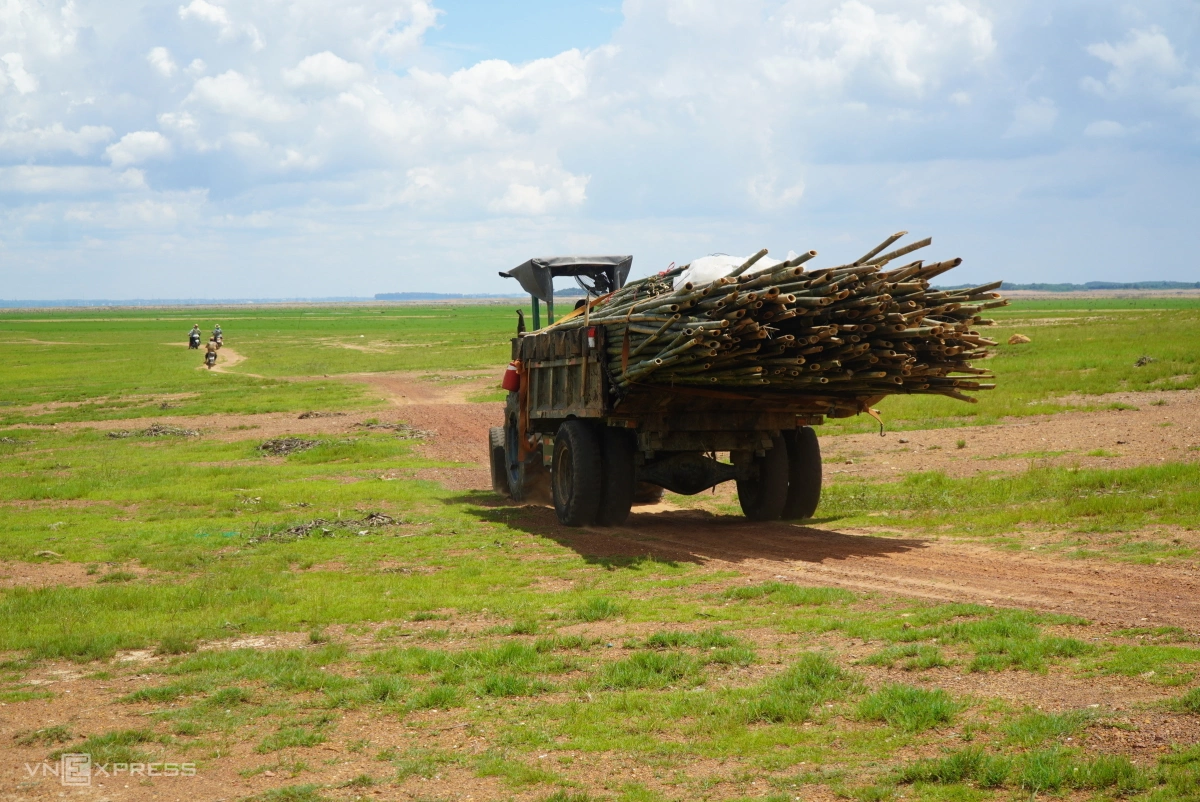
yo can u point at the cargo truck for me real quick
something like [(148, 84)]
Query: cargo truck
[(600, 449)]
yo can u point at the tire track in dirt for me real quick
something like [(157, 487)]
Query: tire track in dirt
[(937, 570)]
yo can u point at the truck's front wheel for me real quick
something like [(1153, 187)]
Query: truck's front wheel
[(763, 499), (577, 478), (496, 451)]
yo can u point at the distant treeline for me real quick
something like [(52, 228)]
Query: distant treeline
[(1093, 285)]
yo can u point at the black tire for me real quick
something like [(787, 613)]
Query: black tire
[(617, 450), (804, 473), (762, 499), (496, 455), (576, 479)]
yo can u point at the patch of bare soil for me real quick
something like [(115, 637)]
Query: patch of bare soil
[(56, 574), (226, 359), (460, 428), (1163, 427)]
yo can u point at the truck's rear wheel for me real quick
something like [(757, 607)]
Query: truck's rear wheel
[(577, 474), (763, 499), (804, 473), (496, 455), (616, 495)]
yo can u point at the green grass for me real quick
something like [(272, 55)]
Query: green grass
[(791, 594), (791, 696), (1042, 771), (1035, 729), (907, 708), (909, 656), (1188, 703), (649, 670), (597, 609), (118, 746), (308, 792), (1073, 500)]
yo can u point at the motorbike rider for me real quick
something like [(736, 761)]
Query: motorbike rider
[(217, 336), (210, 352), (194, 336)]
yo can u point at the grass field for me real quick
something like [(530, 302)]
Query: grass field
[(324, 625)]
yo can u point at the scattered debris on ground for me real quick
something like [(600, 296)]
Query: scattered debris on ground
[(402, 430), (167, 405), (1143, 361), (322, 527), (282, 446), (311, 414), (155, 430), (46, 553), (12, 441), (1018, 339)]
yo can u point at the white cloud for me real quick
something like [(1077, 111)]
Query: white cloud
[(218, 16), (323, 69), (233, 94), (763, 190), (160, 59), (207, 12), (1144, 53), (14, 72), (1104, 129), (1033, 117), (1145, 66), (54, 138), (137, 147), (392, 38), (858, 44), (530, 199), (47, 180)]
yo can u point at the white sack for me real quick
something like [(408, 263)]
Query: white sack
[(708, 269)]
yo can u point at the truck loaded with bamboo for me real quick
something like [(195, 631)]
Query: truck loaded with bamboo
[(646, 385)]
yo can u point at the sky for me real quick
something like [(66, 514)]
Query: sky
[(297, 148)]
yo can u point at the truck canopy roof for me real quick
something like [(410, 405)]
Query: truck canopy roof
[(536, 276)]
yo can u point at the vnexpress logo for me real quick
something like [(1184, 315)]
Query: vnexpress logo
[(75, 770)]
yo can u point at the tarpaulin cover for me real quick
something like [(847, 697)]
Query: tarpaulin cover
[(536, 275)]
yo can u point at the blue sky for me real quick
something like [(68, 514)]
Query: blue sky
[(305, 148)]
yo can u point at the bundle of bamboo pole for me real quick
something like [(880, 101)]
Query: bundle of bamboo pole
[(851, 331)]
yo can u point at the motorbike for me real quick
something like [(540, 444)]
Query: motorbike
[(210, 359), (194, 341), (219, 340)]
